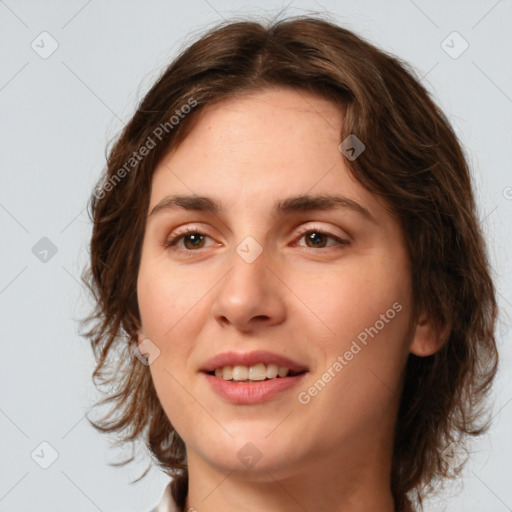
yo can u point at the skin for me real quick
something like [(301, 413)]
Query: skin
[(304, 300)]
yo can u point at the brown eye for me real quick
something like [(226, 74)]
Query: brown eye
[(196, 241), (316, 239), (192, 241)]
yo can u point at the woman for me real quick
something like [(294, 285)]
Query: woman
[(286, 252)]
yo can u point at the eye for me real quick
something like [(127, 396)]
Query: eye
[(315, 238), (192, 239)]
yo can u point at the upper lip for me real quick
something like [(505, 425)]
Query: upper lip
[(250, 359)]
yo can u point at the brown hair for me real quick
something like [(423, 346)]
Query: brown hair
[(412, 160)]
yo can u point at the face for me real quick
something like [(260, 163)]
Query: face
[(267, 283)]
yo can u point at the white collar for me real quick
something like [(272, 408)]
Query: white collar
[(167, 504)]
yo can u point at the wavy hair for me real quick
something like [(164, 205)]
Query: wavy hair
[(413, 161)]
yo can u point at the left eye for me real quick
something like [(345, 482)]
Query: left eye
[(317, 236), (193, 239)]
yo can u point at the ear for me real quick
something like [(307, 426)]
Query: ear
[(429, 336)]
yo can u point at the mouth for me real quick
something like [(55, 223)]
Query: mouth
[(254, 373), (252, 378)]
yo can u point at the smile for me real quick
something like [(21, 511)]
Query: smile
[(256, 372)]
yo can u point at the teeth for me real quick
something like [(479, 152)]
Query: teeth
[(282, 372), (272, 371), (257, 372), (254, 373), (240, 372)]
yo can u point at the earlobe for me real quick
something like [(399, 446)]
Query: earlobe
[(429, 336)]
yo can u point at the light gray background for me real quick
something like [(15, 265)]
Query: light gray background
[(57, 115)]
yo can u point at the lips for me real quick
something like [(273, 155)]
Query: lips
[(252, 392)]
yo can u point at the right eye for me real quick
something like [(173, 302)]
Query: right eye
[(191, 238)]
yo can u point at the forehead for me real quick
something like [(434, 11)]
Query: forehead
[(258, 148)]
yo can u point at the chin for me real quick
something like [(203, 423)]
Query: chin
[(263, 467), (253, 456)]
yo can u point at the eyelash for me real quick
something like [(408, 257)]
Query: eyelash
[(171, 242)]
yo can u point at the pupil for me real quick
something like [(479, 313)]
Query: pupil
[(195, 239), (314, 237)]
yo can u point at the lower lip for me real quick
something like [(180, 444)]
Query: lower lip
[(245, 393)]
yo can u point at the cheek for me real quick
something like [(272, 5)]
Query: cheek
[(354, 296), (165, 300), (164, 305), (367, 309), (165, 309)]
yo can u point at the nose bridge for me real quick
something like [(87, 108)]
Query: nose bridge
[(248, 280), (248, 290)]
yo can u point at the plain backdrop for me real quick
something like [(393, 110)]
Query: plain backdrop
[(71, 74)]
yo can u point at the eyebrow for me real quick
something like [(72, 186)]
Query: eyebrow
[(300, 203)]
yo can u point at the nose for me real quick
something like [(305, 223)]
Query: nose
[(251, 295)]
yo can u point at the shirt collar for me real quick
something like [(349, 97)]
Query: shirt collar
[(167, 504)]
